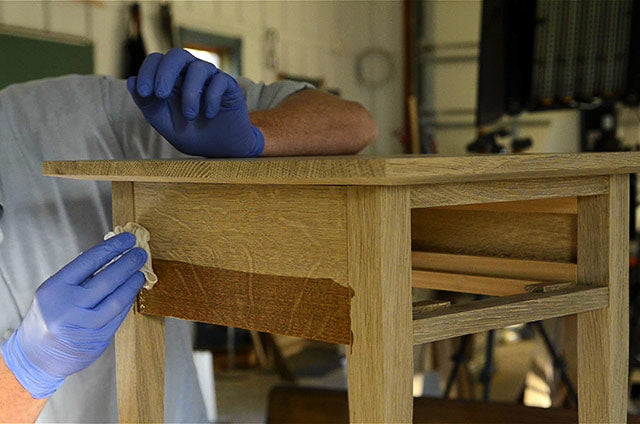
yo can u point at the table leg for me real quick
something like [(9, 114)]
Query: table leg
[(603, 335), (140, 343), (140, 369), (379, 361)]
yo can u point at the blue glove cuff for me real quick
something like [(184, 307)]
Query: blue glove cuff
[(259, 146), (38, 383)]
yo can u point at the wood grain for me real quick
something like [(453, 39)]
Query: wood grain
[(352, 170), (567, 205), (487, 193), (274, 230), (380, 361), (311, 308), (464, 283), (530, 236), (603, 335), (494, 267), (499, 312), (140, 343), (419, 308), (549, 287)]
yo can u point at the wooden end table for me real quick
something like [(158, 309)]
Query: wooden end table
[(322, 248)]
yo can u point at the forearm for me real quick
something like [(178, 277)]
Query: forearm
[(16, 403), (312, 122)]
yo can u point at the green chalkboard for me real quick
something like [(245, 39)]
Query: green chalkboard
[(25, 57)]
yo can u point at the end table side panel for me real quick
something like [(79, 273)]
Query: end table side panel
[(268, 258)]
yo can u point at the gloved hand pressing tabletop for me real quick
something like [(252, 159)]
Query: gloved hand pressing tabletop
[(74, 314), (199, 109)]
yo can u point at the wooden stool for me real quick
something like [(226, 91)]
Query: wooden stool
[(321, 248)]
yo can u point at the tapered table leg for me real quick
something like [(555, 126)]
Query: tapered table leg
[(140, 344), (380, 358), (603, 335)]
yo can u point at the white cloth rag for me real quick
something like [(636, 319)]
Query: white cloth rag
[(142, 241)]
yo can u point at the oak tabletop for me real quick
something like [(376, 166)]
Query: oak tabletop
[(350, 170)]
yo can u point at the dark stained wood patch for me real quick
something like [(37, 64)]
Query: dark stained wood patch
[(312, 308)]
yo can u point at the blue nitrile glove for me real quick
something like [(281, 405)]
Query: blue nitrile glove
[(198, 108), (73, 316)]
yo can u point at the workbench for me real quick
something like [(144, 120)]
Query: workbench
[(328, 248)]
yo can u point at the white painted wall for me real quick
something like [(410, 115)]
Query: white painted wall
[(316, 39)]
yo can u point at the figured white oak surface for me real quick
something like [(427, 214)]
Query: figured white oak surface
[(352, 170), (500, 312), (140, 344), (380, 359), (276, 230), (510, 194), (494, 267), (603, 335)]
